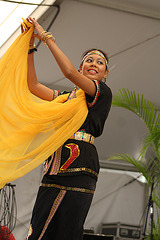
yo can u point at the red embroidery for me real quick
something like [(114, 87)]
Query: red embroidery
[(74, 153)]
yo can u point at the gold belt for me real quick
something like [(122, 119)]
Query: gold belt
[(81, 136)]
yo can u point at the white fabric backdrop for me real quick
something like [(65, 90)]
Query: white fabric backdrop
[(26, 191)]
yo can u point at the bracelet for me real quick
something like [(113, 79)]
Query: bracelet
[(44, 36), (32, 50), (31, 46)]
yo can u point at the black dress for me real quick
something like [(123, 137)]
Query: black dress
[(69, 182)]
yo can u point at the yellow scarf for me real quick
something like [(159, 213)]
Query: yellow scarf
[(31, 129)]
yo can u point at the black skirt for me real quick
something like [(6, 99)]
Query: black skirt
[(60, 211)]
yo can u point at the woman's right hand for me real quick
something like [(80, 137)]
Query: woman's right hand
[(38, 27)]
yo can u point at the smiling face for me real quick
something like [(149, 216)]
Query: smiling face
[(94, 67)]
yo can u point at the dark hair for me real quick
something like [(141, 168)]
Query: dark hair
[(95, 49)]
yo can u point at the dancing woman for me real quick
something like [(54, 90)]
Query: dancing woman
[(70, 176)]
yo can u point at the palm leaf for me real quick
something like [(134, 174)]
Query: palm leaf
[(150, 168), (143, 109), (140, 165), (140, 106)]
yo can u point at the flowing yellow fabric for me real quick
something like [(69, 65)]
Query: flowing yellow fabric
[(31, 129)]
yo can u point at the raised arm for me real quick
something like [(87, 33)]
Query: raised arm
[(66, 66), (35, 87)]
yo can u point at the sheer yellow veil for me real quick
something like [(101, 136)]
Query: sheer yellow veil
[(31, 129)]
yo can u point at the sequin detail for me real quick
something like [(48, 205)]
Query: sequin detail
[(56, 162), (83, 169), (55, 205), (75, 189), (97, 94), (81, 136), (74, 153)]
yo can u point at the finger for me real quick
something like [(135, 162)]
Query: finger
[(25, 27), (32, 20), (28, 20), (36, 35), (22, 30)]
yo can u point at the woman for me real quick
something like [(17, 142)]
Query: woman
[(71, 173)]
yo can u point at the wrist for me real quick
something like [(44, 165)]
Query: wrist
[(32, 50), (45, 36), (31, 45)]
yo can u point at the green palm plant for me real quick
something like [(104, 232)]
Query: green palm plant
[(146, 164)]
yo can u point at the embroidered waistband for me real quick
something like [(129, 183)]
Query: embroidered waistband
[(81, 136), (67, 188)]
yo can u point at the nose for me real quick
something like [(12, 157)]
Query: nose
[(94, 64)]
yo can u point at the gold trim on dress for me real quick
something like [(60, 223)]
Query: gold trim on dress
[(97, 94), (55, 205), (56, 162), (76, 189), (78, 170)]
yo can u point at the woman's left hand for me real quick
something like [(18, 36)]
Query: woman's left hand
[(33, 35)]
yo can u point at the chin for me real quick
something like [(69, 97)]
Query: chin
[(93, 77)]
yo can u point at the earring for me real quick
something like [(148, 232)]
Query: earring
[(104, 80)]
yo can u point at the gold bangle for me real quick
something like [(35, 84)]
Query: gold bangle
[(44, 36)]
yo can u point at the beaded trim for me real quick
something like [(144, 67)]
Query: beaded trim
[(55, 205), (48, 164), (97, 94), (78, 170), (72, 95), (56, 93), (56, 162), (75, 189)]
